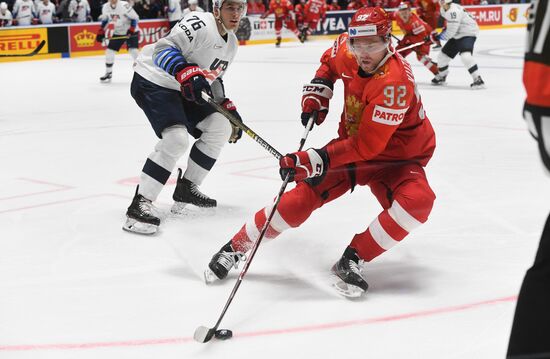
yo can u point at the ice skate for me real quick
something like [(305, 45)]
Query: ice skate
[(278, 42), (187, 192), (107, 77), (140, 217), (222, 262), (439, 80), (349, 279), (478, 84)]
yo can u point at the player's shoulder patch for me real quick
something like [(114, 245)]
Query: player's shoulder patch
[(338, 43)]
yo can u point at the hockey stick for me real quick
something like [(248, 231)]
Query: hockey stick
[(204, 334), (410, 46), (32, 53), (234, 121)]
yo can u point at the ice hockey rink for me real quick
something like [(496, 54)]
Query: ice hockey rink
[(74, 285)]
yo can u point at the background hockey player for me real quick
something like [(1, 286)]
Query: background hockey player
[(299, 10), (79, 11), (23, 12), (415, 31), (125, 22), (46, 11), (6, 18), (460, 33), (384, 141), (314, 11), (169, 78), (174, 12), (193, 6), (531, 326), (284, 14), (428, 10)]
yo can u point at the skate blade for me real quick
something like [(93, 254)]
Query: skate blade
[(209, 276), (347, 290), (131, 225), (478, 87)]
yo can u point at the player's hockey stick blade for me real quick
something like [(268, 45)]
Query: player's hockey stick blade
[(204, 334), (34, 52)]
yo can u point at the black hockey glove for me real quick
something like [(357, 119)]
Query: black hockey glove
[(237, 133), (100, 35), (193, 83)]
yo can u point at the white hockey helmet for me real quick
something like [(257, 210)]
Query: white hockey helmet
[(217, 5), (3, 6), (193, 2), (446, 1)]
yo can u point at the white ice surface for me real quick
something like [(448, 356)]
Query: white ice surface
[(74, 285)]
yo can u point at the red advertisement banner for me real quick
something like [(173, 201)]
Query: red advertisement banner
[(486, 15), (82, 37)]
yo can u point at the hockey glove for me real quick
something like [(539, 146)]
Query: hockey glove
[(131, 32), (315, 97), (193, 83), (100, 35), (304, 164), (236, 133)]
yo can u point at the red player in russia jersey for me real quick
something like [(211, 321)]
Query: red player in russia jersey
[(415, 31), (429, 11), (314, 11), (384, 142), (284, 14), (372, 126)]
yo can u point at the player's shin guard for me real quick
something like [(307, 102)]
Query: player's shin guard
[(470, 64), (427, 62), (395, 223)]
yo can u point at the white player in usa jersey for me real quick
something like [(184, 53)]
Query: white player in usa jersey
[(6, 18), (169, 78), (460, 33), (124, 20), (46, 11), (174, 12), (79, 10), (193, 6), (24, 12)]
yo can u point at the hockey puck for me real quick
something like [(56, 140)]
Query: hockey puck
[(223, 334)]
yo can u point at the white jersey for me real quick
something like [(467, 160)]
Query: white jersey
[(188, 10), (460, 23), (45, 12), (174, 10), (6, 19), (123, 16), (196, 37), (79, 10), (23, 11)]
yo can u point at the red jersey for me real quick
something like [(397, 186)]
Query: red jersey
[(280, 8), (315, 8), (428, 7), (333, 7), (414, 27), (383, 118)]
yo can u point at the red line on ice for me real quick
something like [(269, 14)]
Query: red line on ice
[(292, 330)]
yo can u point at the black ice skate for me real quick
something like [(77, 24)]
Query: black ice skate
[(350, 281), (140, 216), (222, 262), (278, 42), (477, 84), (107, 77), (439, 80), (187, 192)]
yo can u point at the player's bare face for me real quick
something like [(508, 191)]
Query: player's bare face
[(231, 13), (369, 51), (405, 15)]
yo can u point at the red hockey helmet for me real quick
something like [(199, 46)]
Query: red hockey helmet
[(370, 21), (404, 5)]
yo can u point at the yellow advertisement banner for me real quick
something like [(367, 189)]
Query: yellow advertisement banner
[(22, 41)]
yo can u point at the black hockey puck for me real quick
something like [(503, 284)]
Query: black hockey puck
[(223, 334)]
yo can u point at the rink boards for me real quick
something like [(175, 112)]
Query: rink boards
[(72, 40)]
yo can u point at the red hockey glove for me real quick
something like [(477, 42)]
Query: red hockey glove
[(193, 83), (100, 35), (304, 164), (315, 97), (131, 31), (236, 133)]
